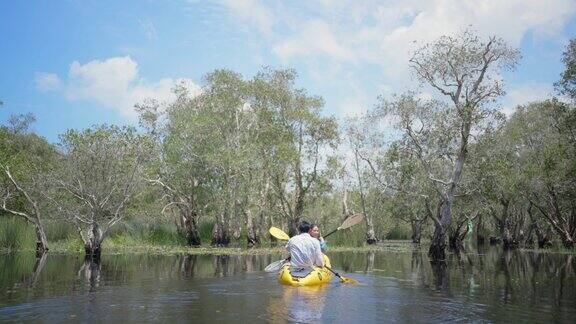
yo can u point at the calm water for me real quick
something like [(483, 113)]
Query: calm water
[(490, 286)]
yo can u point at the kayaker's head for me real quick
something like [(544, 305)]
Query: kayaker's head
[(314, 231), (304, 227)]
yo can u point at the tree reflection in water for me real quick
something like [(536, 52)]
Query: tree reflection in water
[(90, 271), (189, 265), (370, 262), (38, 266), (507, 285)]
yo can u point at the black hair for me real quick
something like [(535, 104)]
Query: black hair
[(304, 227)]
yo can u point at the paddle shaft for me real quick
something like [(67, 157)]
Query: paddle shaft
[(334, 231), (336, 273)]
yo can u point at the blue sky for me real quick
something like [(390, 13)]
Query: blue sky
[(78, 63)]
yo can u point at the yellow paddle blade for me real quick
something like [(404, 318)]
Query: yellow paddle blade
[(278, 233), (348, 280), (342, 278)]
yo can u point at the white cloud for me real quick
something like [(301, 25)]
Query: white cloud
[(115, 83), (524, 94), (385, 33), (508, 19), (334, 37), (252, 12), (46, 81), (315, 38), (339, 41)]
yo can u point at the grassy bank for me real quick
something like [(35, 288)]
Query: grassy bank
[(16, 235), (115, 247)]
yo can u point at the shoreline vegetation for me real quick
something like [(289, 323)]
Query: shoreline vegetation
[(116, 248)]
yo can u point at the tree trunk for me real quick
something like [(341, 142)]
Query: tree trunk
[(293, 226), (251, 233), (237, 228), (564, 228), (220, 231), (543, 237), (480, 231), (504, 223), (437, 250), (455, 243), (416, 230), (567, 241), (41, 241), (34, 217), (191, 229), (93, 242), (370, 234), (263, 215)]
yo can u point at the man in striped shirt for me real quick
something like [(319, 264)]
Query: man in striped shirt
[(305, 251)]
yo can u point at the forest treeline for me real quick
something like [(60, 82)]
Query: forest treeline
[(245, 154)]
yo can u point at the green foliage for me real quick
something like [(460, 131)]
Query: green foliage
[(399, 232), (567, 83), (58, 230), (99, 171), (15, 234)]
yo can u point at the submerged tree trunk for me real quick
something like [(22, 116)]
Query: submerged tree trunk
[(543, 236), (504, 225), (458, 233), (437, 250), (480, 231), (417, 225), (93, 242), (564, 226)]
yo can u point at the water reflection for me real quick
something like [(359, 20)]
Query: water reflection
[(38, 266), (90, 272), (299, 304), (492, 285)]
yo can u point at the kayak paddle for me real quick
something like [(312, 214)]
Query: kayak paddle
[(278, 233), (275, 266), (342, 279), (348, 222)]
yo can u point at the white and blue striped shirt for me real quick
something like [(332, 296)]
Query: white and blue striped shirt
[(304, 251)]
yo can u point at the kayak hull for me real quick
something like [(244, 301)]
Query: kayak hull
[(318, 276)]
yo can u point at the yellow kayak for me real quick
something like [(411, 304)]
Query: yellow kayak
[(318, 276)]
